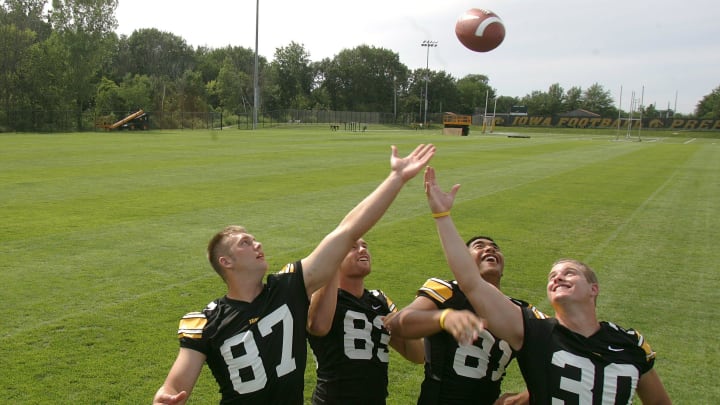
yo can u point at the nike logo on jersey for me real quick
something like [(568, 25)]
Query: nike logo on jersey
[(615, 349), (376, 307)]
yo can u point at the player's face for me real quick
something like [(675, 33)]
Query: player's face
[(488, 256), (357, 261), (566, 281), (246, 253)]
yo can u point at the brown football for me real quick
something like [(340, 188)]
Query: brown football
[(480, 30)]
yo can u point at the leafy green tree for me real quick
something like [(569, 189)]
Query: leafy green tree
[(443, 95), (191, 95), (555, 99), (15, 46), (363, 79), (293, 76), (473, 91), (83, 27), (232, 87), (598, 100), (108, 97), (26, 15), (709, 106), (536, 102), (504, 103), (573, 99), (158, 54), (136, 92)]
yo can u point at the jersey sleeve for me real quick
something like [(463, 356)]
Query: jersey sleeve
[(437, 290), (191, 327)]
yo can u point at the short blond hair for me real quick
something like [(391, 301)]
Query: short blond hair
[(218, 246), (588, 272)]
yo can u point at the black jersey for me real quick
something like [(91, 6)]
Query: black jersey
[(256, 350), (561, 366), (461, 374), (353, 357)]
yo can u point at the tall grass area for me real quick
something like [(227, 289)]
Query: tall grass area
[(103, 237)]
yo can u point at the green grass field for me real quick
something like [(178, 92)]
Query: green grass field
[(103, 236)]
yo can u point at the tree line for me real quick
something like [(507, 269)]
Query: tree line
[(67, 57)]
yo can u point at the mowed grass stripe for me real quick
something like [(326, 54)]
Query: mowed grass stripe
[(105, 253)]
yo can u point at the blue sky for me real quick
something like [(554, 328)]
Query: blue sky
[(666, 51)]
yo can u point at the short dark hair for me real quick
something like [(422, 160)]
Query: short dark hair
[(474, 238)]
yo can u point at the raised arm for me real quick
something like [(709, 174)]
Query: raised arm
[(502, 317), (320, 265), (322, 307)]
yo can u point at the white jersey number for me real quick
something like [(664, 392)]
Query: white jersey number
[(481, 356), (583, 387), (252, 358), (363, 335)]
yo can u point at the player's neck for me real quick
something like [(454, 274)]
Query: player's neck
[(354, 286), (578, 319), (243, 289)]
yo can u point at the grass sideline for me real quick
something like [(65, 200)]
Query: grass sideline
[(103, 236)]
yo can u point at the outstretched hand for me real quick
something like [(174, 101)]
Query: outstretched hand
[(411, 165), (438, 200), (464, 326), (170, 399)]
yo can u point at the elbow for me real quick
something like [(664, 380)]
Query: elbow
[(317, 328)]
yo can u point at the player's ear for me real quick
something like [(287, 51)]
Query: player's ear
[(225, 261)]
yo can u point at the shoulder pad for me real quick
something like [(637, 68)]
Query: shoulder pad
[(192, 325), (438, 289)]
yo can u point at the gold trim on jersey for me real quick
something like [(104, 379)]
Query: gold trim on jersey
[(649, 353), (440, 289), (192, 325), (381, 295), (288, 268)]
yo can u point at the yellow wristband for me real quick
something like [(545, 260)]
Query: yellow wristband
[(440, 214), (442, 317)]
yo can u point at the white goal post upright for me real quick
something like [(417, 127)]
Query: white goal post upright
[(488, 120), (636, 106)]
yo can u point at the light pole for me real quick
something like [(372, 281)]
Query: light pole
[(256, 89), (428, 44)]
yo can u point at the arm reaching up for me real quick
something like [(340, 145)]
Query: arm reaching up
[(320, 265), (502, 317)]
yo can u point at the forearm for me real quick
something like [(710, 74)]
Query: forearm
[(411, 349), (413, 324), (322, 308), (457, 256)]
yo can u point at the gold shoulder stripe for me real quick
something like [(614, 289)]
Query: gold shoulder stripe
[(538, 314), (288, 268), (192, 325), (649, 353), (391, 304), (440, 289)]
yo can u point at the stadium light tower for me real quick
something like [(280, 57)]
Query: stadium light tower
[(256, 89), (428, 45)]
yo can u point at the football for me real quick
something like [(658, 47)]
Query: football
[(480, 30)]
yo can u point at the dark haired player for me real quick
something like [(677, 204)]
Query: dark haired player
[(464, 364), (571, 358), (253, 338), (348, 338)]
